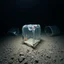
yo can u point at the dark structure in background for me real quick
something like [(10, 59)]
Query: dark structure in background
[(16, 13)]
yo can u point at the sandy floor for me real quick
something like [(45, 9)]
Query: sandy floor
[(49, 51)]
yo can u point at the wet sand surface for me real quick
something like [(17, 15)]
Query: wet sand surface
[(49, 51)]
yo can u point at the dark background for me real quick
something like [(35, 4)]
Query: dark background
[(16, 13)]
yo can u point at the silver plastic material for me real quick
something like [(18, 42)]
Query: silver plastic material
[(31, 34), (52, 30)]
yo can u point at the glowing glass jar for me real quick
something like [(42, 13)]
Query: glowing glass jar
[(31, 34)]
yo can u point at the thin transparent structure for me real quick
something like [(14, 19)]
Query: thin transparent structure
[(31, 34)]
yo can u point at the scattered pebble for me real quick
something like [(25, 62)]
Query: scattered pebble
[(50, 52), (36, 61), (12, 58), (61, 51), (21, 54), (41, 55), (32, 56), (21, 59), (48, 57), (61, 59)]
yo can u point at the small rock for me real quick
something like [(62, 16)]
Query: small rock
[(35, 51), (32, 56), (36, 61), (12, 58), (21, 59), (50, 52), (21, 54), (61, 59), (48, 57), (62, 51), (29, 52)]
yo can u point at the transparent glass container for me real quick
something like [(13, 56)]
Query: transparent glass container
[(31, 34)]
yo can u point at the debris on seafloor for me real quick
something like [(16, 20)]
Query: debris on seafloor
[(21, 59)]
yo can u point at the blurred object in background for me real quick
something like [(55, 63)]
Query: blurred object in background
[(52, 30), (13, 31)]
